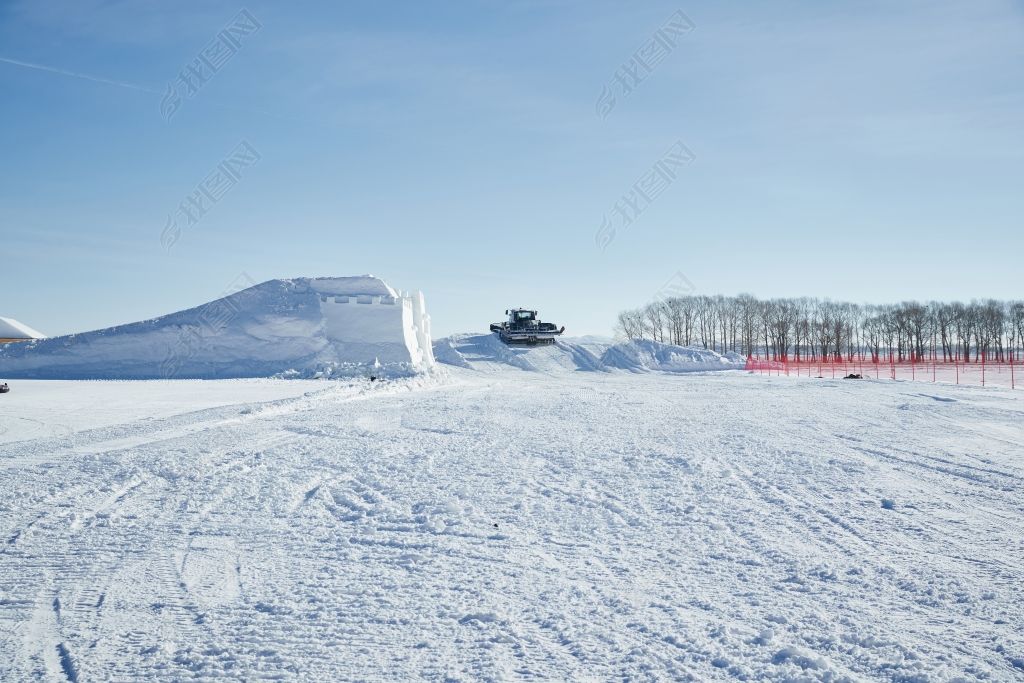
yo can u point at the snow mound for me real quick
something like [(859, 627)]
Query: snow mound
[(12, 329), (487, 353), (644, 356), (304, 327)]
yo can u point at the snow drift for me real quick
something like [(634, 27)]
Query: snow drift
[(487, 353), (304, 327), (643, 356)]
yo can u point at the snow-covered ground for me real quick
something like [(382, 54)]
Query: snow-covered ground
[(504, 524), (61, 408)]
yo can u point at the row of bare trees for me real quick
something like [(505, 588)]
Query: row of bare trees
[(805, 328)]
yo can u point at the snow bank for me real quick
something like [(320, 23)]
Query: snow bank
[(644, 356), (487, 353), (305, 327)]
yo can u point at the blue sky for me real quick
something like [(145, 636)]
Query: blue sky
[(869, 151)]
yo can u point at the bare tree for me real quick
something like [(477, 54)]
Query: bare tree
[(813, 328)]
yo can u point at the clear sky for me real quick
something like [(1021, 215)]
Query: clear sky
[(868, 151)]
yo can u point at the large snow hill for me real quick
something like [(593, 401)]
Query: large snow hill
[(305, 327)]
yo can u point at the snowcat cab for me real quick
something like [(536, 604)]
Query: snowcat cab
[(524, 327)]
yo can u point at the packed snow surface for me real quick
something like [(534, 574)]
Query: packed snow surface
[(338, 326), (506, 524), (58, 407)]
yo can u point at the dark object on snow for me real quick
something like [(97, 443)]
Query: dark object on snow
[(852, 376), (373, 378), (888, 504), (524, 327), (4, 388)]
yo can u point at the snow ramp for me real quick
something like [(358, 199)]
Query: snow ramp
[(304, 327), (487, 353)]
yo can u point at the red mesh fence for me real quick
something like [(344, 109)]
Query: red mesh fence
[(981, 372)]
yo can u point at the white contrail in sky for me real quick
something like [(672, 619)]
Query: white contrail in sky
[(75, 74), (154, 91)]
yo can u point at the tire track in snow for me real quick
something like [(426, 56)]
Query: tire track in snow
[(78, 578), (566, 588)]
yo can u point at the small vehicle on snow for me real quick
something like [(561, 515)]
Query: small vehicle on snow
[(4, 388), (524, 327)]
